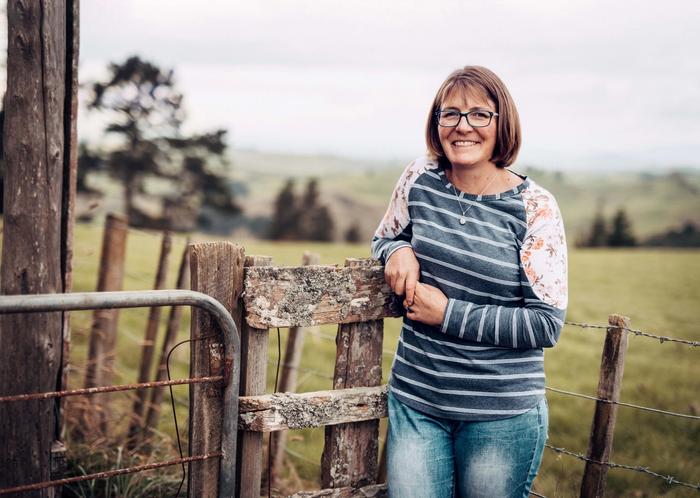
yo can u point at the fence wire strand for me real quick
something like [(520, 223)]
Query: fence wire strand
[(645, 408), (660, 338), (109, 473), (636, 468)]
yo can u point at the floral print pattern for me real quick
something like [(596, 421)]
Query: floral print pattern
[(396, 217), (543, 253)]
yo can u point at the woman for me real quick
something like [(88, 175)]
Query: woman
[(479, 254)]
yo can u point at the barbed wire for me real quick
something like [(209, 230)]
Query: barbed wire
[(660, 338), (636, 468), (630, 405)]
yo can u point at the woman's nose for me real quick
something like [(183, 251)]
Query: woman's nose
[(463, 124)]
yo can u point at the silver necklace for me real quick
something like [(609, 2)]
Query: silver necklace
[(463, 218)]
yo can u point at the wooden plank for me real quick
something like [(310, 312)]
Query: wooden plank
[(285, 411), (612, 367), (371, 491), (217, 270), (254, 356), (148, 345), (31, 345), (288, 380), (314, 295)]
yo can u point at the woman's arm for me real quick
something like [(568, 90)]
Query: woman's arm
[(543, 268), (392, 240)]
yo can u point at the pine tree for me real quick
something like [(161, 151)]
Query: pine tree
[(621, 233), (285, 219), (352, 234), (598, 236)]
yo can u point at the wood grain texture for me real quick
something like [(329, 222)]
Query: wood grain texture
[(284, 411), (217, 270), (314, 295), (288, 380), (600, 444), (34, 248), (254, 356), (350, 450), (371, 491)]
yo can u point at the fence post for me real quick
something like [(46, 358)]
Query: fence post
[(612, 366), (148, 345), (103, 335), (288, 379), (350, 450), (254, 355), (170, 335), (217, 270)]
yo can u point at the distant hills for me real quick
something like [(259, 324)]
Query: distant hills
[(358, 191)]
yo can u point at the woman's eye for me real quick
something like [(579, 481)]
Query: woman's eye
[(450, 114), (480, 115)]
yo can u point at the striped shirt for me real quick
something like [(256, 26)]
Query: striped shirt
[(504, 274)]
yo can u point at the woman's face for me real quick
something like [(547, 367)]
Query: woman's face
[(464, 145)]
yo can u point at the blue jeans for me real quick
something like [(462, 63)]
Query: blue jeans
[(430, 457)]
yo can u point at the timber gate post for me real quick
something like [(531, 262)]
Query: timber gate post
[(254, 355), (103, 335), (149, 345), (612, 366), (40, 149), (217, 270), (350, 450), (288, 380)]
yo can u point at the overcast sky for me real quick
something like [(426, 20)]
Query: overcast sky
[(597, 83)]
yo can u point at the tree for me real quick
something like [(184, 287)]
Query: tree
[(145, 109), (621, 232), (598, 236), (352, 234), (285, 219), (303, 219)]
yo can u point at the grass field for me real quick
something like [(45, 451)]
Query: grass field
[(658, 290)]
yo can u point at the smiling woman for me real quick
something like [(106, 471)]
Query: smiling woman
[(479, 254)]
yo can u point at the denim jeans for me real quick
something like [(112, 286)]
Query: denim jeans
[(430, 457)]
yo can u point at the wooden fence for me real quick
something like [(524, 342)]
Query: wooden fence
[(262, 296)]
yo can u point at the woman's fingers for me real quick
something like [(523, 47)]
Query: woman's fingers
[(410, 287)]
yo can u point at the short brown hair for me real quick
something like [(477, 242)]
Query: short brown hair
[(508, 136)]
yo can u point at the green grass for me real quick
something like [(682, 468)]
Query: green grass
[(658, 290)]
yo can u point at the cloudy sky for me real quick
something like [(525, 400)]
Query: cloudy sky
[(598, 84)]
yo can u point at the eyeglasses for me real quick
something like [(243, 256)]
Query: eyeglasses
[(450, 118)]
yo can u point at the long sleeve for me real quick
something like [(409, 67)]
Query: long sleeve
[(537, 320), (395, 229)]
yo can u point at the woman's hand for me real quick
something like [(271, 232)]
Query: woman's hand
[(401, 273), (429, 305)]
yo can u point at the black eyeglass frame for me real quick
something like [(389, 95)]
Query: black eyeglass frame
[(466, 116)]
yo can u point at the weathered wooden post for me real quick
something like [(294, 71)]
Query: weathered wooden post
[(350, 451), (217, 270), (612, 366), (40, 171), (254, 355), (170, 335), (149, 340), (103, 335), (288, 380)]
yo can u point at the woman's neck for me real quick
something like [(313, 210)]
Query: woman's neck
[(483, 180)]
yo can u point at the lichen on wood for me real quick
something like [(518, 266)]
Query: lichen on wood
[(313, 295), (283, 411)]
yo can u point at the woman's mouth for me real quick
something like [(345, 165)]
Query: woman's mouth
[(464, 143)]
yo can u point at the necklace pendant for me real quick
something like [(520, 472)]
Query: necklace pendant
[(462, 220)]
